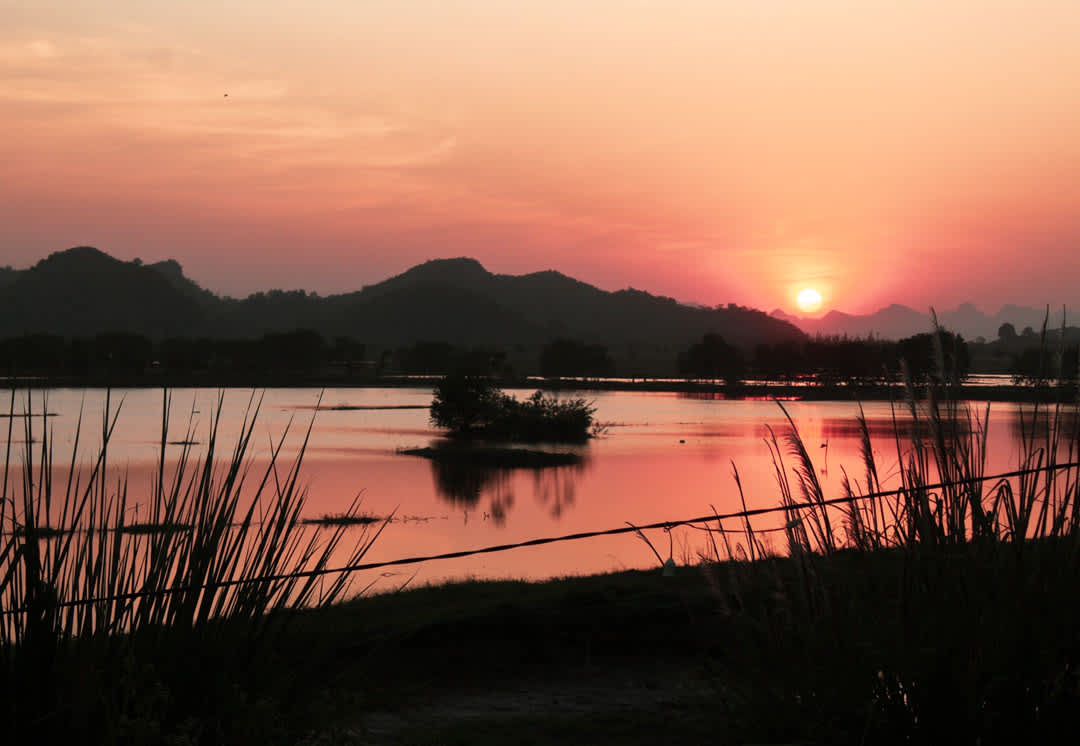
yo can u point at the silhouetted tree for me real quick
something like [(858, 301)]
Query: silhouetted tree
[(569, 358), (827, 360), (850, 361), (33, 354), (940, 357), (183, 355), (427, 357), (121, 353), (712, 359), (1035, 365), (302, 349), (348, 350), (463, 403), (781, 361)]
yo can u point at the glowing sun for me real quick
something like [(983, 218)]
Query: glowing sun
[(808, 300)]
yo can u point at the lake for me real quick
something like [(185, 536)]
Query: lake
[(663, 456)]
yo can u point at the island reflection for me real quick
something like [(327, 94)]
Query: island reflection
[(491, 488)]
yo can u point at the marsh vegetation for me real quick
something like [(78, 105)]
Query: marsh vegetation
[(153, 630)]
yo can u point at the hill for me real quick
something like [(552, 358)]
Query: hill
[(549, 304), (897, 321), (84, 291), (7, 276)]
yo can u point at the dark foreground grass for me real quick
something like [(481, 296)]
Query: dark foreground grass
[(160, 631), (498, 662), (878, 646), (882, 647)]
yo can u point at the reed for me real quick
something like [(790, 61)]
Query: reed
[(940, 613), (119, 626)]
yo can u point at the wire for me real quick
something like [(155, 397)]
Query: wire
[(666, 525)]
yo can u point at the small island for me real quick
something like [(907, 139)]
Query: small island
[(470, 406), (483, 424)]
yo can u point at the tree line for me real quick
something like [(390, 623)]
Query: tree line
[(822, 360), (301, 351), (830, 360)]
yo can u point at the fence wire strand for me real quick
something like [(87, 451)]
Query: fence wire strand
[(665, 525)]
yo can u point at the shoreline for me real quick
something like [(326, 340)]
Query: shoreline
[(720, 391)]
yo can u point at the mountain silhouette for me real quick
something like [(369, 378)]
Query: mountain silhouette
[(7, 276), (84, 291), (897, 321), (549, 303), (462, 272), (171, 270)]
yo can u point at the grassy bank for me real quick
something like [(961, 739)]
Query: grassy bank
[(881, 647)]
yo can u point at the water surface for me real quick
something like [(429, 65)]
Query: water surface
[(663, 456)]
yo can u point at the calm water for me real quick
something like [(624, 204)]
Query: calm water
[(663, 457)]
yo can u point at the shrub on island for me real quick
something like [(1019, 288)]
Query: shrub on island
[(474, 406)]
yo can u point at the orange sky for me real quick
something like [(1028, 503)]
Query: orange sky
[(709, 150)]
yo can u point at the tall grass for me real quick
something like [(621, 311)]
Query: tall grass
[(945, 612), (109, 625)]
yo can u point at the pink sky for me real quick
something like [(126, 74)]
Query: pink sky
[(922, 152)]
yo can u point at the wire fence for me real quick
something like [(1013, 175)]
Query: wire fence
[(627, 529)]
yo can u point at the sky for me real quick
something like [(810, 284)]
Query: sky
[(924, 152)]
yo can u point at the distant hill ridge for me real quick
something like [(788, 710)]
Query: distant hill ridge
[(897, 321), (84, 291)]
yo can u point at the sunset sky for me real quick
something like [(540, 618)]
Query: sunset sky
[(919, 152)]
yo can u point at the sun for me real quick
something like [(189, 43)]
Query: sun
[(808, 300)]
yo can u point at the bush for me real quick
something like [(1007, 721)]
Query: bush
[(465, 404), (474, 405)]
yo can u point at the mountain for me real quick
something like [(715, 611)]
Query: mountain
[(458, 300), (897, 321), (462, 272), (892, 322), (83, 291), (548, 304), (171, 270), (7, 276)]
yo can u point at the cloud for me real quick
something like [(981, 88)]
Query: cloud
[(200, 119)]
